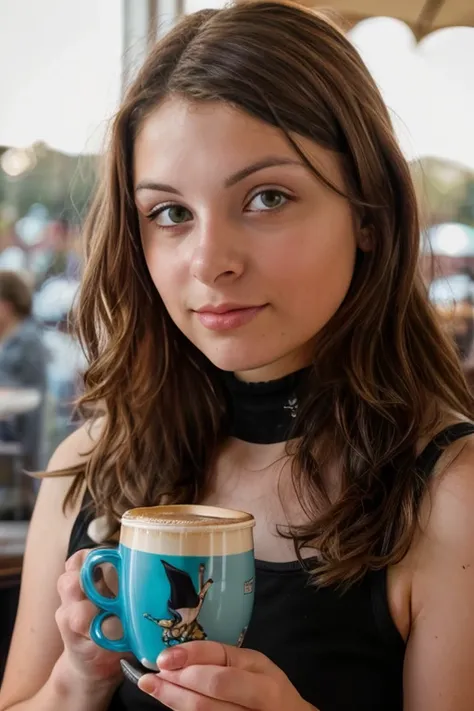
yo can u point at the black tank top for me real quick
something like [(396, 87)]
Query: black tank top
[(341, 650)]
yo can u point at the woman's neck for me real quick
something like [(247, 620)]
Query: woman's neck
[(264, 412)]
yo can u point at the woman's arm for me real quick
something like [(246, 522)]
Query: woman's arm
[(37, 675), (62, 691), (439, 663)]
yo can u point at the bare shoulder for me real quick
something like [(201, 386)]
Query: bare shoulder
[(75, 449), (445, 537), (451, 491), (56, 481)]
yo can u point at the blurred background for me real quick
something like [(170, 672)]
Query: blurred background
[(63, 67)]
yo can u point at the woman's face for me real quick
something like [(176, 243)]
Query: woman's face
[(251, 254)]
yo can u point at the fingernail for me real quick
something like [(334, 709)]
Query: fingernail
[(172, 659), (148, 684)]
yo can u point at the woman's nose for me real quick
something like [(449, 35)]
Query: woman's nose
[(216, 255)]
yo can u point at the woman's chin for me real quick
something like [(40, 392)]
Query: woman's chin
[(235, 362), (251, 367), (260, 365)]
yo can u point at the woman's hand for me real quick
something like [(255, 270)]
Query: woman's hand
[(208, 676), (83, 658)]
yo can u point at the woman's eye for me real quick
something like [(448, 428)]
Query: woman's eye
[(170, 215), (267, 200)]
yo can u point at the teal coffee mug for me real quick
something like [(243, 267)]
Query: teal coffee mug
[(185, 573)]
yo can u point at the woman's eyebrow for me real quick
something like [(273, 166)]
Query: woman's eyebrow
[(269, 162)]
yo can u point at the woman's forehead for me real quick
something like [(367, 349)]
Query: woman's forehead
[(181, 137)]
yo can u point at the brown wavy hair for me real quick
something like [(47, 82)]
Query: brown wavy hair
[(384, 373)]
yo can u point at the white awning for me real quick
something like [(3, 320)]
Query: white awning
[(428, 87)]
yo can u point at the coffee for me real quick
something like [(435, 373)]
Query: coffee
[(186, 514), (185, 573)]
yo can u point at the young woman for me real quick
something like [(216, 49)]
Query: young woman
[(259, 337)]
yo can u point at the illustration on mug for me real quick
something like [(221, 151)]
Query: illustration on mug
[(184, 605)]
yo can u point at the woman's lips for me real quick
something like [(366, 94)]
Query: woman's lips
[(228, 320)]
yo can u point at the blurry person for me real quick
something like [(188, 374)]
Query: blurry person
[(23, 361), (464, 319)]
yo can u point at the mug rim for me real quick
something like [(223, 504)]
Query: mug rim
[(230, 519)]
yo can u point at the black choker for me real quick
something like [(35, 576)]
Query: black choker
[(264, 413)]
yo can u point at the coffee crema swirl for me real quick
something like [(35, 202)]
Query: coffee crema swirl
[(192, 515)]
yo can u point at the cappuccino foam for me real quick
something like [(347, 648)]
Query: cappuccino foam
[(169, 518), (187, 515), (187, 530)]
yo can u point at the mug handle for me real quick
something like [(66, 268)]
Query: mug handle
[(109, 606)]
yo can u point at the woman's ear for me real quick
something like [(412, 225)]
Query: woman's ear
[(365, 237)]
